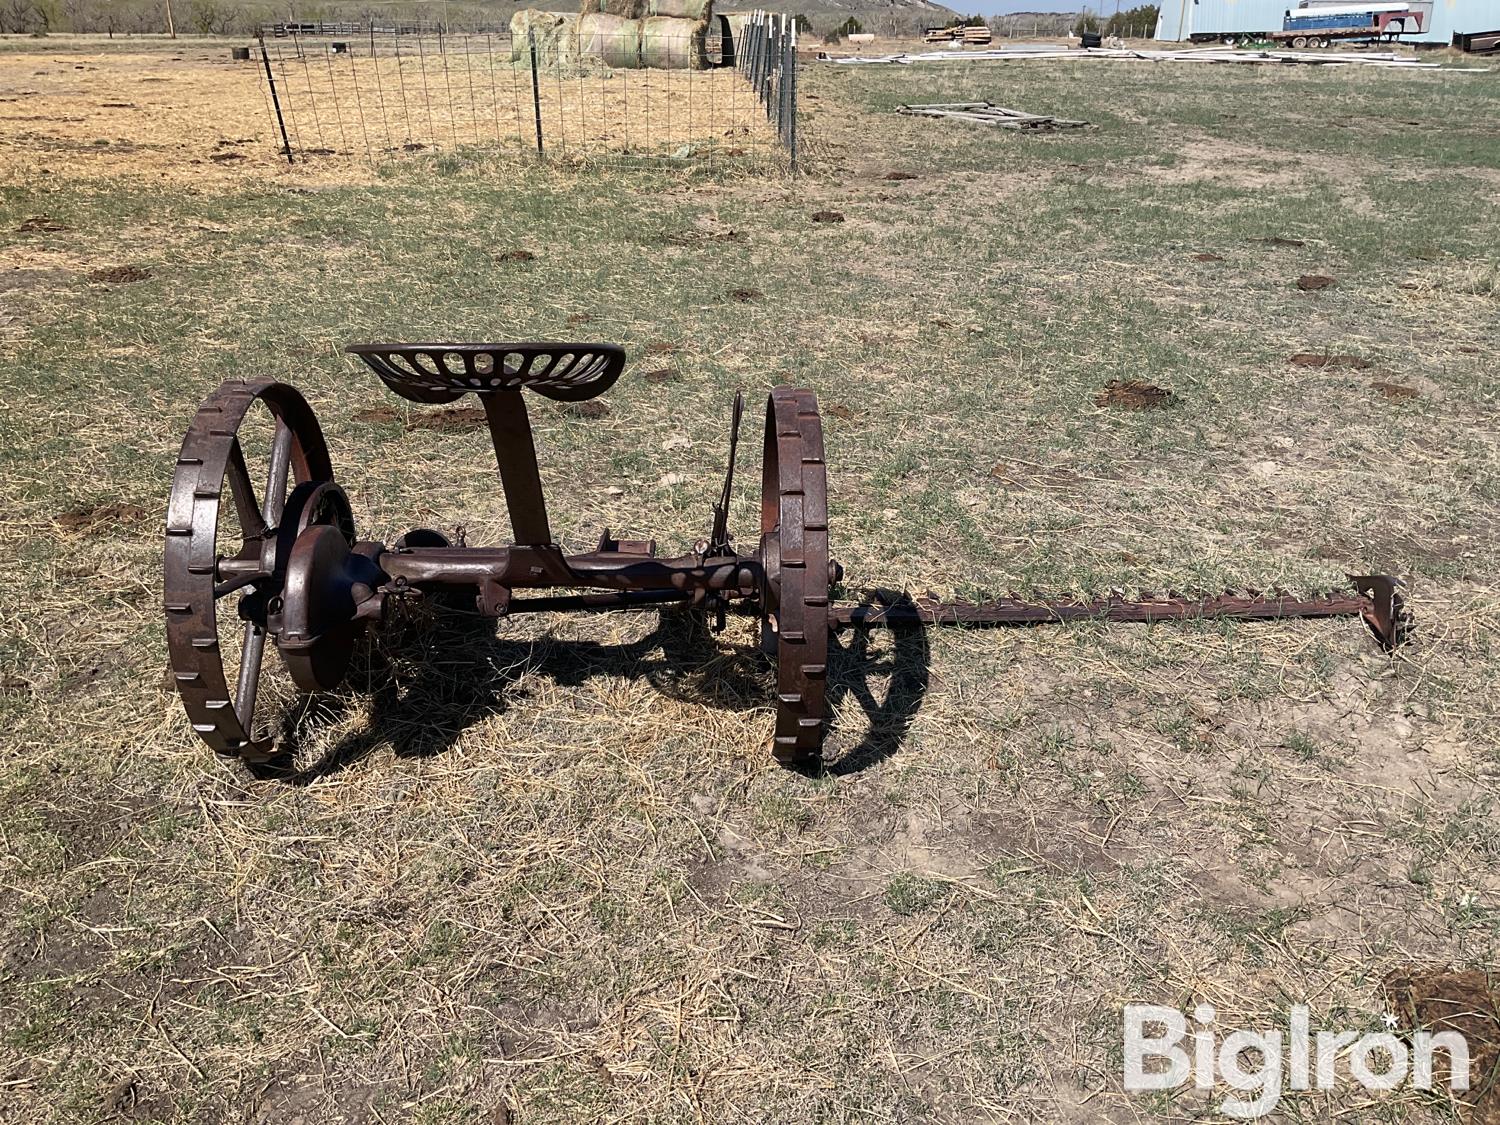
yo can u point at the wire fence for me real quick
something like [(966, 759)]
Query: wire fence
[(769, 61), (579, 91)]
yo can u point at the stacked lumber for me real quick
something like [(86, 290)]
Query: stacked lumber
[(988, 113)]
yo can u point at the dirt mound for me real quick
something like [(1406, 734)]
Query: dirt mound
[(1133, 394), (41, 223), (119, 275)]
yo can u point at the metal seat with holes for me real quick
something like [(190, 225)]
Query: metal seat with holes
[(442, 372), (297, 573)]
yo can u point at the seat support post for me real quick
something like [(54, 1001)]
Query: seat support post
[(515, 454)]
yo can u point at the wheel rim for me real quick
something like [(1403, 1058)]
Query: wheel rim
[(794, 553), (212, 461)]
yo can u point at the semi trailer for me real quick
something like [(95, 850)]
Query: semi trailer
[(1318, 23)]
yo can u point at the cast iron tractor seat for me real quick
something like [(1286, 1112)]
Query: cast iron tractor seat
[(438, 373), (300, 576)]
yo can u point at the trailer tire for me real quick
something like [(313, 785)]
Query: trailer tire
[(1299, 42)]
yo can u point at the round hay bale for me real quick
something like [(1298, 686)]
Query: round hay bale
[(668, 43), (564, 54), (613, 39), (626, 9), (556, 35), (681, 9), (523, 25)]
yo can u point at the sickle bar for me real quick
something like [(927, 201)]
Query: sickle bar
[(1376, 598)]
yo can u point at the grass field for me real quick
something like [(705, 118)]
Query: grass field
[(550, 873)]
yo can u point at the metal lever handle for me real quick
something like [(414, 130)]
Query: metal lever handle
[(718, 539)]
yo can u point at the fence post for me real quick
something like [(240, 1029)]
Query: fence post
[(536, 93), (265, 59), (791, 81)]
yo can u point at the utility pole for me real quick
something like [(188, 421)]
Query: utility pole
[(171, 26)]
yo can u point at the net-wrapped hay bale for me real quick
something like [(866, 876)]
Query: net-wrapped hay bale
[(613, 39), (565, 51), (556, 35), (625, 9), (526, 23), (681, 9), (668, 43)]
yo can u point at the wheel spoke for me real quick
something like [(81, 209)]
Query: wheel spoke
[(238, 582), (249, 678), (252, 524), (276, 476)]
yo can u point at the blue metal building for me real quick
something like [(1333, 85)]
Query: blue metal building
[(1183, 19)]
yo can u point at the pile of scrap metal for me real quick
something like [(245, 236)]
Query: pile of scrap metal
[(1477, 43), (626, 34), (988, 113), (1385, 60)]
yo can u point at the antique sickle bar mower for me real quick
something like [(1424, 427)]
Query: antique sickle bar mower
[(305, 581)]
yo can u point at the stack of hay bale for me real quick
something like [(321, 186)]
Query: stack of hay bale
[(555, 33), (665, 34)]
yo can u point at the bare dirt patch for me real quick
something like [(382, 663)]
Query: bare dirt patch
[(376, 414), (1328, 359), (112, 513), (1313, 282), (589, 408), (449, 420)]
